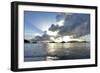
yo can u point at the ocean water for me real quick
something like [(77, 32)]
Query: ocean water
[(56, 51)]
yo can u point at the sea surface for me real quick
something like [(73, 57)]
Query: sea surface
[(55, 51)]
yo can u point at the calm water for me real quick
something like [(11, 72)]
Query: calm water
[(56, 51)]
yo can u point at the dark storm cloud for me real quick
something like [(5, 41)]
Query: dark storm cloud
[(54, 27), (75, 24), (82, 30)]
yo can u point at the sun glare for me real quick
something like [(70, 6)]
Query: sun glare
[(52, 33), (60, 39), (67, 38)]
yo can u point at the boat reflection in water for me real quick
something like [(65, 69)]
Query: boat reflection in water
[(56, 51)]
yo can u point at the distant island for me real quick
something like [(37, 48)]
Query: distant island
[(26, 41), (77, 41), (72, 41), (63, 42)]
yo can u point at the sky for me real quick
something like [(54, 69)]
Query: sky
[(35, 23), (76, 24)]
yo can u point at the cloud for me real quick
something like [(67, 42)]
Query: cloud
[(54, 27), (44, 37), (82, 30), (75, 24), (62, 16)]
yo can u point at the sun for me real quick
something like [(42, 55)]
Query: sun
[(61, 39), (52, 33), (66, 38)]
